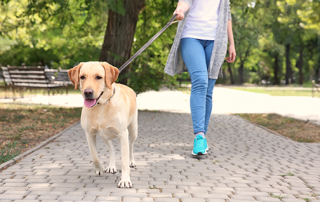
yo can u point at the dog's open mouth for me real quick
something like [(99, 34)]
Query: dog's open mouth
[(92, 102)]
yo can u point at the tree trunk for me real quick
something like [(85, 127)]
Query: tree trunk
[(299, 65), (319, 56), (242, 64), (288, 76), (276, 69), (118, 39), (241, 73), (230, 72)]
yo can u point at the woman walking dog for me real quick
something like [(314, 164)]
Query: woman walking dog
[(200, 47)]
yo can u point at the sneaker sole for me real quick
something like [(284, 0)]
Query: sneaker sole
[(200, 153)]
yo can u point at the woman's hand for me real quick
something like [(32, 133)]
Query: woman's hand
[(180, 14), (232, 54), (182, 7)]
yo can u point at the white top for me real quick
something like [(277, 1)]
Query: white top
[(202, 21)]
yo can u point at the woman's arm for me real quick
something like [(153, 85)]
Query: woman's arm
[(232, 50), (182, 7)]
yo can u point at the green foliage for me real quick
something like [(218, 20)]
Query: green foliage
[(57, 33), (147, 69), (116, 6), (264, 28), (62, 33)]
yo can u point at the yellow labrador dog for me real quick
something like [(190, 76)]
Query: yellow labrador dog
[(110, 111)]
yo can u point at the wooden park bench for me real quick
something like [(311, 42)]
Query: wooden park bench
[(315, 87), (60, 77), (7, 80), (51, 74), (63, 77), (32, 77)]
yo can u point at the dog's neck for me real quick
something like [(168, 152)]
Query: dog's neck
[(107, 95)]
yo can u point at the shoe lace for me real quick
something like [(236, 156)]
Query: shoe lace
[(199, 142)]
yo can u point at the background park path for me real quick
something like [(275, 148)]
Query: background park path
[(225, 101)]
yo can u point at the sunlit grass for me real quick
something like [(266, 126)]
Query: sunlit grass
[(294, 129), (274, 92), (25, 126)]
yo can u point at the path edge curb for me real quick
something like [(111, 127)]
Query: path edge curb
[(264, 128), (275, 133), (39, 146)]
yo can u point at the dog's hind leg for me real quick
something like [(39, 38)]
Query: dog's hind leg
[(112, 161), (97, 164), (133, 134)]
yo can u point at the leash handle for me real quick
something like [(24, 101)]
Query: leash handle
[(148, 43)]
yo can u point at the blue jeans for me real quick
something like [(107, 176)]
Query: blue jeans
[(196, 54)]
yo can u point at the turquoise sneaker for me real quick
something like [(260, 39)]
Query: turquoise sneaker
[(206, 145), (200, 145)]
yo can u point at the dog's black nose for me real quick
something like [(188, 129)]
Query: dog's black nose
[(88, 93)]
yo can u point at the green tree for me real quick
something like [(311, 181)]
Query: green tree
[(118, 38), (310, 15), (147, 69), (61, 34), (246, 33)]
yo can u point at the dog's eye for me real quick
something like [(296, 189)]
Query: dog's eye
[(82, 77), (99, 77)]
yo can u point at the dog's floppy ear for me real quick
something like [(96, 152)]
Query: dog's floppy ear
[(112, 73), (74, 75)]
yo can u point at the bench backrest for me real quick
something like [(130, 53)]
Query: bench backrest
[(27, 75), (51, 74), (6, 76), (62, 75)]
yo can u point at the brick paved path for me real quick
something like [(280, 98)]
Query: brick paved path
[(244, 164)]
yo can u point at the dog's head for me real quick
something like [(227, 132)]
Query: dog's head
[(96, 78)]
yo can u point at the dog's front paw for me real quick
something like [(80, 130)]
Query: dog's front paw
[(133, 164), (99, 169), (125, 183), (99, 172), (111, 169)]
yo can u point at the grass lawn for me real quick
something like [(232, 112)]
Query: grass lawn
[(22, 127), (183, 83), (292, 128), (269, 91), (274, 92)]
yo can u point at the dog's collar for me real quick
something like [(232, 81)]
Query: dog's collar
[(114, 91)]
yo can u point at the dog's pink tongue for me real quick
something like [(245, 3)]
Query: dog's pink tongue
[(89, 102)]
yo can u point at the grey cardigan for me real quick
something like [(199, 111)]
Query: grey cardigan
[(175, 62)]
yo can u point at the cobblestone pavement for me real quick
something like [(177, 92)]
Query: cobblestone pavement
[(245, 163)]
